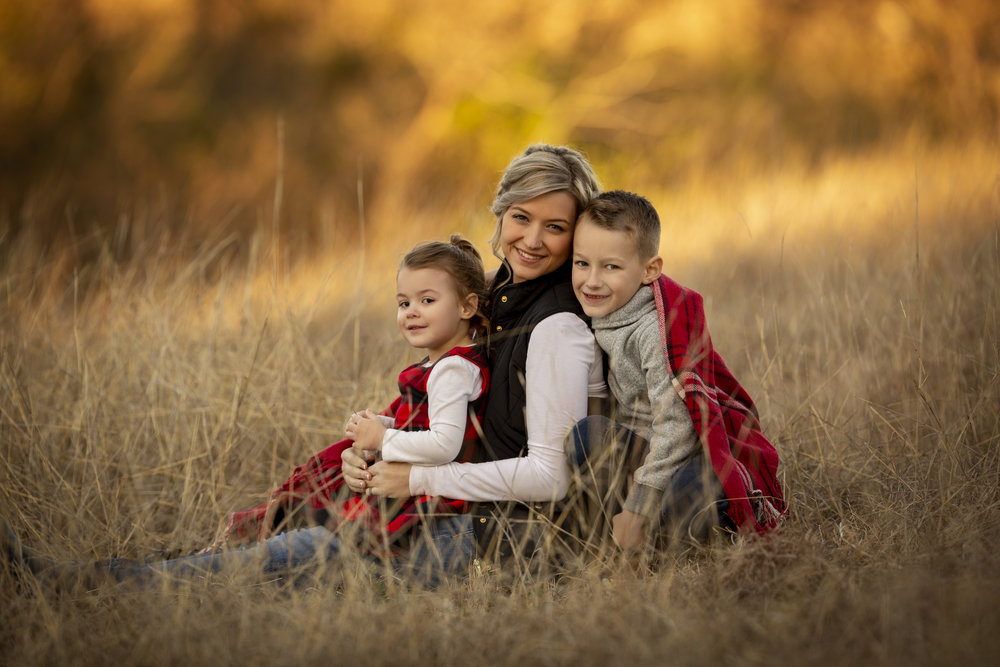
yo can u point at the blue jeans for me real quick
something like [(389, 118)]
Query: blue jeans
[(443, 547), (603, 453)]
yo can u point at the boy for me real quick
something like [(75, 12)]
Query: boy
[(673, 391)]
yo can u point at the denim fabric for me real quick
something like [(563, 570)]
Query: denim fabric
[(444, 546), (693, 502)]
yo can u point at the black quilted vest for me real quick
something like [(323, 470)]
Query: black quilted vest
[(514, 309)]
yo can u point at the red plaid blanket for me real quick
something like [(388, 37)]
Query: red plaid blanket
[(724, 415), (317, 494)]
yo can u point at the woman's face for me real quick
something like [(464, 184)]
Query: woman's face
[(536, 236)]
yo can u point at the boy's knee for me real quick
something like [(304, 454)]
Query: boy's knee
[(694, 503), (585, 439)]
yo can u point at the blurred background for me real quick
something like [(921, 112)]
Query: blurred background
[(128, 124)]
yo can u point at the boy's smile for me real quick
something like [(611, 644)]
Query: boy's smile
[(607, 269)]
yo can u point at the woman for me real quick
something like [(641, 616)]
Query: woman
[(542, 354), (543, 358), (543, 361)]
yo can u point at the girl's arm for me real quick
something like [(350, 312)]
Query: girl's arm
[(454, 382), (561, 355)]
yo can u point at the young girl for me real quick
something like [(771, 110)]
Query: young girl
[(435, 419), (546, 359)]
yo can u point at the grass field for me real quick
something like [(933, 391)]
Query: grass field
[(142, 398)]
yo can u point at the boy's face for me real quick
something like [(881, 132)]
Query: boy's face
[(607, 269)]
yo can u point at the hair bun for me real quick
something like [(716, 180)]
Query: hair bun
[(465, 245)]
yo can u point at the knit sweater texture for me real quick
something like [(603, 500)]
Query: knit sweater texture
[(646, 400)]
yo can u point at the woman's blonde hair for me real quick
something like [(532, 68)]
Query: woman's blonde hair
[(542, 169)]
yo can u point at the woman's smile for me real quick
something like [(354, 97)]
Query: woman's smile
[(529, 256), (536, 235)]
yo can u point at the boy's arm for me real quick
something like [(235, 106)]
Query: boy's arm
[(672, 438)]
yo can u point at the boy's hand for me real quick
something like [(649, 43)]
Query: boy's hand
[(628, 530), (366, 430)]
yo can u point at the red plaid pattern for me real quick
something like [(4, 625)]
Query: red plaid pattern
[(724, 415), (317, 489)]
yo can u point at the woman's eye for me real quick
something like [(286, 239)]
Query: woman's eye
[(520, 217), (556, 228)]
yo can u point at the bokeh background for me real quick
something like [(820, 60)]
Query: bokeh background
[(127, 124), (202, 203)]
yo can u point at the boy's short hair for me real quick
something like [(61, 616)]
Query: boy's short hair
[(621, 211)]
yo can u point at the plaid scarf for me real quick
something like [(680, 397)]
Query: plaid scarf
[(724, 415), (316, 490)]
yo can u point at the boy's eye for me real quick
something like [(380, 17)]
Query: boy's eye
[(611, 267), (581, 263), (556, 228)]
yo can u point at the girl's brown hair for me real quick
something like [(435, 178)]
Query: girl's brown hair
[(460, 259)]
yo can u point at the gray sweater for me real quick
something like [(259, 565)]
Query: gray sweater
[(647, 402)]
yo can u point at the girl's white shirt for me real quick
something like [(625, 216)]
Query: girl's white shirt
[(453, 383), (563, 368)]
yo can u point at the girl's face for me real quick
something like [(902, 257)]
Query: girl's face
[(536, 235), (431, 315)]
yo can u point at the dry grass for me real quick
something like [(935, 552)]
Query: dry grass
[(140, 401)]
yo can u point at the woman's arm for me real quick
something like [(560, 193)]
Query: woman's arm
[(561, 354), (453, 383)]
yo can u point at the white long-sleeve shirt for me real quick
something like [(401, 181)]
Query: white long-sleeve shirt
[(563, 368), (453, 383)]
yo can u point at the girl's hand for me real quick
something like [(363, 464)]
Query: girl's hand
[(355, 470), (366, 430), (390, 479)]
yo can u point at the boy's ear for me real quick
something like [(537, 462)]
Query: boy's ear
[(470, 305), (652, 270)]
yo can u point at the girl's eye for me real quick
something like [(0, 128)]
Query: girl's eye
[(611, 267), (581, 263), (427, 300), (404, 304)]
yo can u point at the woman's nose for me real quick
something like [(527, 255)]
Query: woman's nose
[(533, 237)]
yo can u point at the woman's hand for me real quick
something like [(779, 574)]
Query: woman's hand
[(390, 479), (355, 470), (366, 430)]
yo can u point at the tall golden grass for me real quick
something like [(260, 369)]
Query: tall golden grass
[(858, 302)]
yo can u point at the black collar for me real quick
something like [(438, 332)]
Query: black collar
[(509, 300)]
